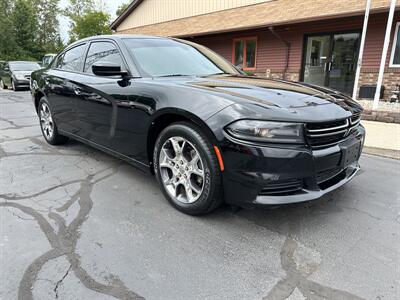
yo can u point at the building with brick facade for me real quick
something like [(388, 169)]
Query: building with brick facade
[(315, 41)]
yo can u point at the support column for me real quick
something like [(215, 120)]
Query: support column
[(384, 54), (361, 52)]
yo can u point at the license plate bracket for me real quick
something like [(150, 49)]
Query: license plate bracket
[(350, 153)]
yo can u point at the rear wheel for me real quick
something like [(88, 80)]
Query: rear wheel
[(48, 126), (187, 169)]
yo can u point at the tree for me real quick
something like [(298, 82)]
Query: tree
[(48, 32), (75, 12), (77, 8), (8, 47), (25, 26), (29, 29), (91, 23), (121, 9)]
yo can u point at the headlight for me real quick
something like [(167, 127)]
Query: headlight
[(20, 77), (265, 131)]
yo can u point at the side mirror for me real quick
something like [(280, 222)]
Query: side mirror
[(108, 69), (6, 69)]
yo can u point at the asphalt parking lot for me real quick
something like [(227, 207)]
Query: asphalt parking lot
[(79, 224)]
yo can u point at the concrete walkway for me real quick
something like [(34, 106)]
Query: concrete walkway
[(382, 139)]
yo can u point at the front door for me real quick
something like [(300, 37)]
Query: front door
[(331, 60)]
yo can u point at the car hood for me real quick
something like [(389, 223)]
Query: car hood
[(24, 73), (271, 93)]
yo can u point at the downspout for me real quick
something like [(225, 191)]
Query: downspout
[(287, 45), (360, 55), (384, 54)]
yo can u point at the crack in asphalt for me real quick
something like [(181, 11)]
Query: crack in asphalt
[(60, 282), (64, 241), (18, 216), (297, 277), (14, 197)]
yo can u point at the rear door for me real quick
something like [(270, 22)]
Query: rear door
[(61, 81)]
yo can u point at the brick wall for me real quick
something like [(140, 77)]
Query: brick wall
[(390, 79)]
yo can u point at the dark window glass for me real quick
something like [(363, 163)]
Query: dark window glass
[(244, 53), (24, 66), (162, 57), (73, 59), (102, 52), (58, 62), (250, 53), (396, 56), (239, 54)]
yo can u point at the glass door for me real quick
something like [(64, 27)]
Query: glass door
[(331, 60), (342, 68), (316, 60)]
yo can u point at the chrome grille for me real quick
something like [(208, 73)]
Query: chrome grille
[(330, 133)]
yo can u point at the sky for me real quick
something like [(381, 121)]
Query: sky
[(110, 6)]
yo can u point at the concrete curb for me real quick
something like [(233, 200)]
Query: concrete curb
[(395, 154)]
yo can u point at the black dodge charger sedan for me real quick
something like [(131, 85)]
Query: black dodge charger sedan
[(207, 131)]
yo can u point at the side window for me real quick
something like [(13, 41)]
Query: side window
[(58, 62), (73, 58), (102, 52), (244, 53)]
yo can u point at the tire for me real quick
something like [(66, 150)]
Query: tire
[(196, 168), (14, 86), (48, 126), (2, 85)]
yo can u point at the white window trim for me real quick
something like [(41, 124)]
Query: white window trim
[(391, 65)]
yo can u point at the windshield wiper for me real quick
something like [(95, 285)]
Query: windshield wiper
[(173, 75), (213, 74)]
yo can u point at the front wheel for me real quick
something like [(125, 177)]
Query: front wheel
[(187, 169), (48, 126), (14, 86)]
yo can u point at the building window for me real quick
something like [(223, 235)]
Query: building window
[(395, 58), (244, 53)]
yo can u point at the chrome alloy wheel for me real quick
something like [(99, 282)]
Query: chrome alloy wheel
[(181, 170), (46, 121)]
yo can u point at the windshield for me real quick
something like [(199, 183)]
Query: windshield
[(47, 59), (24, 66), (163, 57)]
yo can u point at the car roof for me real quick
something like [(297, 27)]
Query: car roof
[(23, 61), (116, 37), (121, 36)]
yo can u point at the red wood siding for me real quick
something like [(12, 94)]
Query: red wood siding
[(271, 51)]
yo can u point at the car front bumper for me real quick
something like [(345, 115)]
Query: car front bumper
[(21, 82), (271, 175)]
